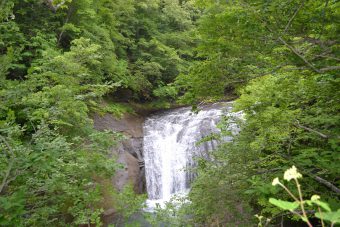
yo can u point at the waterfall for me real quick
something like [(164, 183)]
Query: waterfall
[(170, 147)]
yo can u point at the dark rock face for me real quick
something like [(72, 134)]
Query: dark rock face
[(129, 152)]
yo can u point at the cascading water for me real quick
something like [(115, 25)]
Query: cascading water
[(170, 145)]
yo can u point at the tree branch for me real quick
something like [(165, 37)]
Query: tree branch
[(283, 41), (311, 130), (69, 14), (299, 55), (5, 179), (10, 165), (330, 68), (323, 18), (326, 183), (294, 15), (268, 171)]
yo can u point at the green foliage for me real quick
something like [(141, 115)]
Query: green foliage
[(117, 109), (58, 59), (291, 206), (333, 217), (176, 212), (50, 155), (324, 214), (145, 44), (128, 203), (49, 176), (281, 59), (135, 39), (166, 92), (242, 40)]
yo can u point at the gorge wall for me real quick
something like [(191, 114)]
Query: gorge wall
[(129, 151)]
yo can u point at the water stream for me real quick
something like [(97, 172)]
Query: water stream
[(170, 148)]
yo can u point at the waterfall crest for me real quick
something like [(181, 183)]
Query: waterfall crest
[(170, 146)]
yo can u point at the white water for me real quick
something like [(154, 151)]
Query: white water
[(170, 145)]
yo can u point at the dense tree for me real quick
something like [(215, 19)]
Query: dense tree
[(247, 39), (58, 59), (51, 154), (281, 57)]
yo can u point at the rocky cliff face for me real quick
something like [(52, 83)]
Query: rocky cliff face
[(129, 152)]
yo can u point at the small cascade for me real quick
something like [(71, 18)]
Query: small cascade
[(170, 148)]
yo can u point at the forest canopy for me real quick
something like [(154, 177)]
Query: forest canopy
[(282, 60), (62, 60), (58, 61)]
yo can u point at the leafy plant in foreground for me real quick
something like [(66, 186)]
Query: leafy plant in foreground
[(324, 212)]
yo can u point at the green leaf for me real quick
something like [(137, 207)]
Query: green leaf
[(322, 204), (333, 217), (285, 205)]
